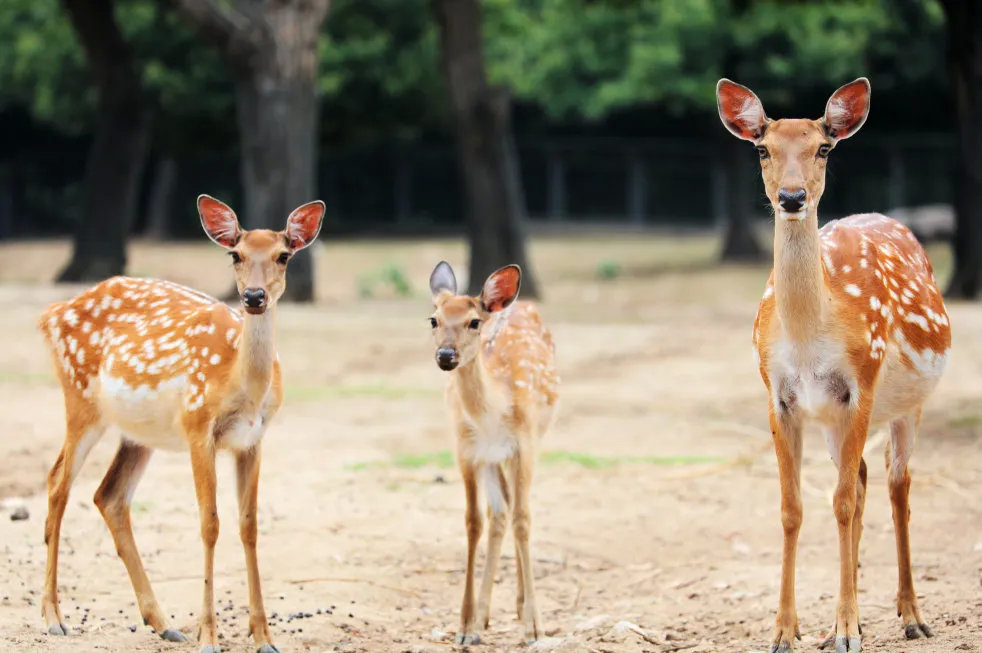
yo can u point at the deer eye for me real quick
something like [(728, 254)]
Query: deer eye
[(433, 322), (823, 151), (474, 324), (762, 152), (236, 259), (283, 258)]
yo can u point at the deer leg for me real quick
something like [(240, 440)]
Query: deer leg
[(247, 476), (786, 433), (498, 518), (520, 591), (522, 464), (467, 633), (845, 504), (903, 431), (82, 432), (203, 468), (113, 500)]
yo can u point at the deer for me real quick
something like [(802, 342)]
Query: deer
[(502, 398), (851, 333), (172, 368)]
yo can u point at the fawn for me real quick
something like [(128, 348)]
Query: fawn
[(502, 397), (172, 368), (852, 333)]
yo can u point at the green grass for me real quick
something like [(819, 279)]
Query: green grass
[(318, 392), (445, 460), (26, 377), (965, 421)]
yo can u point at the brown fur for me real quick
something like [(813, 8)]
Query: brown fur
[(132, 340)]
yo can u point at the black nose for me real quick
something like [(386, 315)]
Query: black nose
[(791, 200), (446, 358), (254, 297)]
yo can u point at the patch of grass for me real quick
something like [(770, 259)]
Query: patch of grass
[(390, 276), (968, 421), (445, 460), (608, 269), (318, 392), (590, 461), (26, 377)]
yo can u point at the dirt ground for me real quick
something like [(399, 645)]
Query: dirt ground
[(655, 505)]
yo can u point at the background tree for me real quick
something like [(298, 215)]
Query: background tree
[(119, 147), (270, 48), (495, 204), (965, 67)]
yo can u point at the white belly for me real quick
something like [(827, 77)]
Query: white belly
[(806, 373), (491, 441), (901, 389), (148, 416)]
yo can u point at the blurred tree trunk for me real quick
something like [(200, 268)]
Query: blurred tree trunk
[(119, 149), (965, 63), (270, 47), (495, 202), (739, 241), (160, 205)]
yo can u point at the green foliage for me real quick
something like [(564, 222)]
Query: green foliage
[(391, 276), (379, 75), (608, 269)]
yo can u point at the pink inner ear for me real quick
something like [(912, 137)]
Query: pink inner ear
[(742, 110), (500, 289), (304, 224), (219, 221), (846, 109)]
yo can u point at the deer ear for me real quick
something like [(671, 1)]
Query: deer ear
[(740, 110), (501, 288), (304, 224), (846, 110), (219, 221), (442, 280)]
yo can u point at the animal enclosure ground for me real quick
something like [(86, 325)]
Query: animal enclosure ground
[(656, 523)]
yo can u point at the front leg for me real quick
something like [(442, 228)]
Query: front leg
[(845, 506), (786, 433), (203, 468), (467, 634), (247, 478)]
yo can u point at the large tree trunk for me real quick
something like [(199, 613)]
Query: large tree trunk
[(119, 150), (271, 48), (495, 203), (965, 62), (739, 241)]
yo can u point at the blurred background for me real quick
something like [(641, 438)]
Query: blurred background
[(492, 119), (579, 138)]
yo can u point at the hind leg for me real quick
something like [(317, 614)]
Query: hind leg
[(83, 430), (903, 431), (113, 500)]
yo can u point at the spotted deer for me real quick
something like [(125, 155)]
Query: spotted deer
[(172, 368), (851, 333), (502, 398)]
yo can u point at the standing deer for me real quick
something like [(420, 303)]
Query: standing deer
[(852, 333), (502, 397), (174, 369)]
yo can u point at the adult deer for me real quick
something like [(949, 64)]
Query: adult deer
[(851, 333), (172, 368), (502, 397)]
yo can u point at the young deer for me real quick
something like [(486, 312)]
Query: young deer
[(502, 397), (852, 333), (174, 369)]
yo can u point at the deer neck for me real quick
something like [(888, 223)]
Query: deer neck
[(253, 369), (478, 391), (800, 281)]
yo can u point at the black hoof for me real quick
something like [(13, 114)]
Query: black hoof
[(783, 647), (917, 631), (58, 629), (466, 639), (172, 635), (267, 648)]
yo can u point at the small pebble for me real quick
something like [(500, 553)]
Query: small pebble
[(19, 514)]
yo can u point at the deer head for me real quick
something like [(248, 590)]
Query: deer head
[(260, 256), (793, 153), (457, 320)]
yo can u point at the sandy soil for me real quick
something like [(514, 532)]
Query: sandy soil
[(655, 506)]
